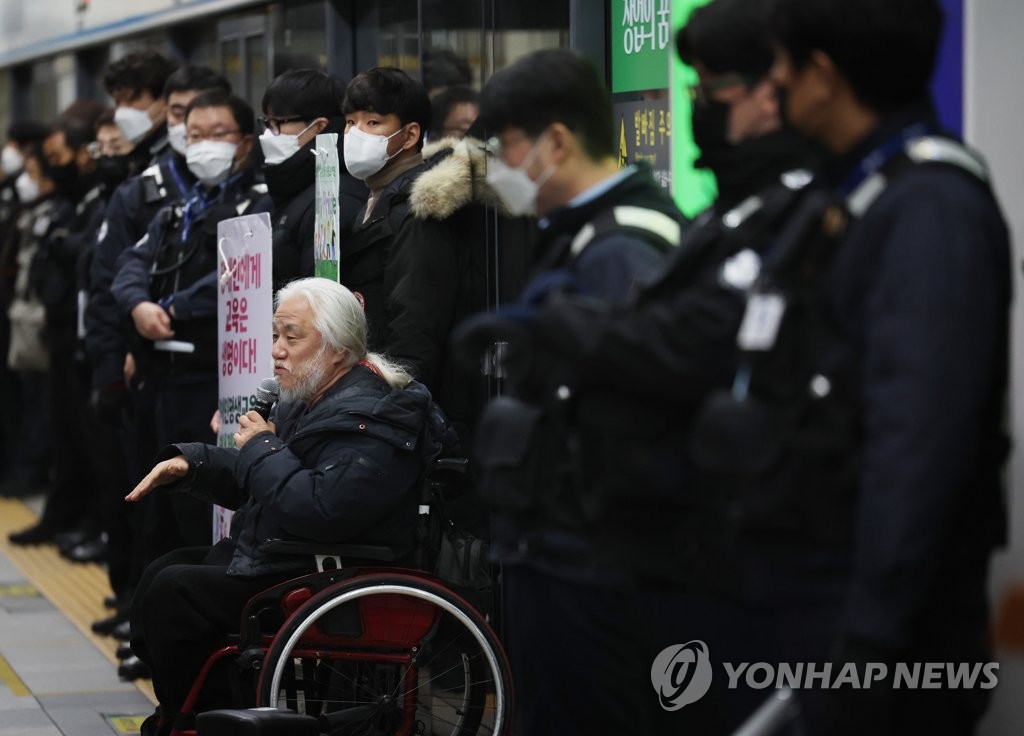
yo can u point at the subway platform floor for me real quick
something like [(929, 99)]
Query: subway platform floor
[(56, 677)]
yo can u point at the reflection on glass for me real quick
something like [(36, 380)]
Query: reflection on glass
[(256, 61), (231, 62), (399, 40), (300, 41)]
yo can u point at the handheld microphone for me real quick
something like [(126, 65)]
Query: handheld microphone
[(266, 397)]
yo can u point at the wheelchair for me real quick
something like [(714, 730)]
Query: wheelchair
[(367, 647)]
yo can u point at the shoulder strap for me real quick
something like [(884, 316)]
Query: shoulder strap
[(655, 227), (929, 149)]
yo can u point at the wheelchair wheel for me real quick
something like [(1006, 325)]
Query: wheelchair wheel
[(390, 654)]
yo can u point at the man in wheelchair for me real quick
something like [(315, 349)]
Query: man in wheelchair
[(339, 462)]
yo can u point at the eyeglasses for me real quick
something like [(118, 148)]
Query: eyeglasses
[(274, 124), (701, 92), (493, 146), (195, 136), (98, 150)]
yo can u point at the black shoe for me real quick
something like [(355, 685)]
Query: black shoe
[(156, 725), (120, 601), (93, 550), (134, 668), (40, 533), (72, 538), (107, 626), (124, 650), (123, 631)]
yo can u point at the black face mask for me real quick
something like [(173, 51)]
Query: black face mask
[(709, 122), (112, 170), (65, 177)]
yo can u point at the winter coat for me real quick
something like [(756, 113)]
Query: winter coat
[(420, 265), (181, 245), (131, 209), (580, 444), (345, 470)]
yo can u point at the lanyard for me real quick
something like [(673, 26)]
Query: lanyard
[(173, 168), (197, 204), (880, 156)]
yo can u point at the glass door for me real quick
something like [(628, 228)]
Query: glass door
[(242, 49)]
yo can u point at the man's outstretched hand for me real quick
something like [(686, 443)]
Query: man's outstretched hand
[(162, 473)]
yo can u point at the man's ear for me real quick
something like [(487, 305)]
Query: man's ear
[(827, 78), (413, 133), (562, 142), (244, 147), (83, 159), (767, 96), (158, 109), (339, 357)]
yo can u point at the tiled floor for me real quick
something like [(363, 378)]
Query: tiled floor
[(54, 680)]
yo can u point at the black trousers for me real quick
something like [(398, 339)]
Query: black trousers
[(581, 655), (184, 608), (80, 469), (183, 413)]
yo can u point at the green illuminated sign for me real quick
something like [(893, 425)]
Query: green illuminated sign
[(644, 66), (641, 44)]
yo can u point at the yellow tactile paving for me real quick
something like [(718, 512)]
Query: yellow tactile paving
[(76, 589), (11, 680)]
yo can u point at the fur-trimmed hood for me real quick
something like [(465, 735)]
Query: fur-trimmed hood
[(456, 176)]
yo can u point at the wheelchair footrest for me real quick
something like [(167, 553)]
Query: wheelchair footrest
[(256, 722)]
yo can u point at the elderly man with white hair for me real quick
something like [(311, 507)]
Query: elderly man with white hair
[(339, 461)]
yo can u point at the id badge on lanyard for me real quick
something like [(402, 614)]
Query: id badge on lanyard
[(761, 321)]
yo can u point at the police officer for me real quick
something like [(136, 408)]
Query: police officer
[(136, 84), (892, 502), (167, 284), (639, 371), (122, 403), (546, 460), (129, 213)]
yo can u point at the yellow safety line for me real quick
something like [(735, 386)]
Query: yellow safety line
[(76, 589), (10, 678)]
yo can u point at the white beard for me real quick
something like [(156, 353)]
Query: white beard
[(307, 381)]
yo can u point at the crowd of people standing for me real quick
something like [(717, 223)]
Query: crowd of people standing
[(775, 429)]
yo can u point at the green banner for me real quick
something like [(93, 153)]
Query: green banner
[(641, 38)]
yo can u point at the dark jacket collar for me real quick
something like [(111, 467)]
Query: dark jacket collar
[(637, 188), (360, 400)]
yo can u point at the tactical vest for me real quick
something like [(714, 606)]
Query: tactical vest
[(187, 252), (778, 456), (530, 451)]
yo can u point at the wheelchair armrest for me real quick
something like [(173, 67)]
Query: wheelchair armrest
[(450, 464), (375, 552)]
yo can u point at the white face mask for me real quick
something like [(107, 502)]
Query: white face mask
[(514, 186), (26, 187), (279, 148), (133, 123), (211, 161), (176, 137), (11, 160), (366, 153)]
